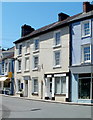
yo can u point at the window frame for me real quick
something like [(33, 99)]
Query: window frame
[(20, 53), (6, 67), (35, 68), (83, 30), (3, 67), (60, 85), (82, 78), (27, 47), (55, 65), (56, 45), (35, 86), (36, 49), (19, 60), (82, 53), (26, 64)]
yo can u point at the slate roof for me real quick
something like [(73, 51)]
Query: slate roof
[(53, 26)]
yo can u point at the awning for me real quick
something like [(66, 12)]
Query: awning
[(3, 78)]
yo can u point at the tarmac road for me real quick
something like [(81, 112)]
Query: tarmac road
[(22, 108)]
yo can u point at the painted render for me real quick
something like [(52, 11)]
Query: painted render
[(45, 62), (77, 42)]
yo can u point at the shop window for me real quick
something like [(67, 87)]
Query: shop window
[(84, 86), (60, 85)]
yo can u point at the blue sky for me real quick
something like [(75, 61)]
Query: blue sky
[(38, 14)]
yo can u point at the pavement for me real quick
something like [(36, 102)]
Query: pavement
[(50, 101)]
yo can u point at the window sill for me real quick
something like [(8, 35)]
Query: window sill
[(36, 51), (26, 70), (57, 46), (27, 53), (56, 94), (55, 67), (35, 94), (19, 55), (35, 69), (19, 71), (87, 62), (85, 36)]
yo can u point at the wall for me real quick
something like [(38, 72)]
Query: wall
[(77, 42), (74, 88), (45, 58)]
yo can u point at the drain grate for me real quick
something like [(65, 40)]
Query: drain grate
[(35, 109)]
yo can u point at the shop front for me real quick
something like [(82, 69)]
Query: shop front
[(56, 87), (82, 84)]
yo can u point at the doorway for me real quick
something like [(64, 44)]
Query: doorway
[(26, 88), (50, 87)]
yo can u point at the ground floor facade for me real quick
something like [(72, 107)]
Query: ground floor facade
[(82, 84), (74, 86), (53, 86), (6, 85)]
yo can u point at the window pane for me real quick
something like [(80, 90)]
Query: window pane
[(57, 38), (20, 49), (63, 84), (57, 58), (84, 88), (2, 67), (7, 84), (86, 28), (36, 62), (6, 67), (36, 44), (35, 85), (84, 75), (27, 64), (57, 85), (87, 53), (19, 65), (27, 47), (9, 65)]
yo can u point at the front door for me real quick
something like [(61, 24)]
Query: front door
[(26, 88)]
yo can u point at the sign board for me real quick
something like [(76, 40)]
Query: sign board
[(9, 74)]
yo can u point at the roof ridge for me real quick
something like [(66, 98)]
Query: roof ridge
[(48, 27)]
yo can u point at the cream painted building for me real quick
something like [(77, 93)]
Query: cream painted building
[(42, 61)]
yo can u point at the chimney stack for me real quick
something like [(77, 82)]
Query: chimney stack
[(87, 7), (26, 29), (62, 16)]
